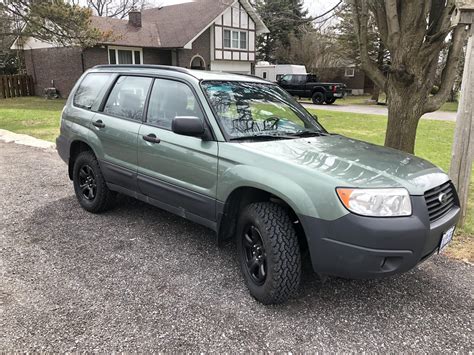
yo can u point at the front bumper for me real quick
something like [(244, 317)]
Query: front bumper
[(360, 247), (62, 146)]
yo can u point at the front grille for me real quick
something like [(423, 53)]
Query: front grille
[(436, 208)]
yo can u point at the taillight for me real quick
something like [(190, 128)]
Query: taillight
[(334, 88)]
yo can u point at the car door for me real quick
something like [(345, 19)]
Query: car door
[(117, 125), (179, 171)]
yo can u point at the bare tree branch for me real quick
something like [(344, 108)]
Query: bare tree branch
[(359, 7), (449, 72), (393, 23)]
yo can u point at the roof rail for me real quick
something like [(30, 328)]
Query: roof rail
[(144, 66)]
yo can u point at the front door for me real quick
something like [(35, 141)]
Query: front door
[(176, 170), (117, 127)]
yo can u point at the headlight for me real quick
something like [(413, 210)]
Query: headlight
[(376, 202)]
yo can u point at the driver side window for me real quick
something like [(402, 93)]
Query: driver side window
[(170, 99), (286, 79)]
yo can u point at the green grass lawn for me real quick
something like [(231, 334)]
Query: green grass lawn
[(40, 118), (35, 116)]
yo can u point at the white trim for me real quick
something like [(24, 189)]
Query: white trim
[(239, 31), (132, 49), (260, 25), (197, 56), (347, 70)]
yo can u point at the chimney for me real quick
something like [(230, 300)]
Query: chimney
[(135, 18)]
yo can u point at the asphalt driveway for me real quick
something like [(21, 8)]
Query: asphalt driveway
[(138, 278)]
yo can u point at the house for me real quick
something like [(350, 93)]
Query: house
[(202, 34)]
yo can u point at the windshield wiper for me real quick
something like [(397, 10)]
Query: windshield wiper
[(310, 134), (263, 136)]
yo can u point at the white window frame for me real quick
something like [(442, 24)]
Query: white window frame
[(132, 49), (232, 31), (349, 72)]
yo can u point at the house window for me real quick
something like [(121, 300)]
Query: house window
[(123, 55), (349, 72), (235, 39)]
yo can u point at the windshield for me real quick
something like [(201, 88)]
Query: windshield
[(249, 110)]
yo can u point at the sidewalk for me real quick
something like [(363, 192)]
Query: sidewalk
[(379, 110)]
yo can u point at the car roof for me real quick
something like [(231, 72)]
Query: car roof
[(161, 69)]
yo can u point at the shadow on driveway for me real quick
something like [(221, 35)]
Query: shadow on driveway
[(139, 278)]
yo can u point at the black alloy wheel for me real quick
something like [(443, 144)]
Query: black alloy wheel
[(318, 98), (90, 185), (87, 182), (255, 255)]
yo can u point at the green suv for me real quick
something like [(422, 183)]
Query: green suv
[(240, 156)]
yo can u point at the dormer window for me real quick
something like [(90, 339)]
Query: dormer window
[(235, 39)]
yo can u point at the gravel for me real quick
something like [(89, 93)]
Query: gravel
[(140, 279)]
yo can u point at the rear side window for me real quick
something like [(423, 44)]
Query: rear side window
[(90, 89), (127, 99), (299, 79), (170, 99)]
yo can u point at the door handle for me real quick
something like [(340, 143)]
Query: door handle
[(99, 124), (152, 138)]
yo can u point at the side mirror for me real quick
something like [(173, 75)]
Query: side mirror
[(188, 126)]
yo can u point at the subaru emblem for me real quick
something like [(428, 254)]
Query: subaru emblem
[(443, 198)]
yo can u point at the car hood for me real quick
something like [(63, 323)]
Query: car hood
[(353, 163)]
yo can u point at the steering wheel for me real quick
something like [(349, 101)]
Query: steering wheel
[(271, 123)]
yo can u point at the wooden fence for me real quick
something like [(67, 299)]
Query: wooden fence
[(16, 85)]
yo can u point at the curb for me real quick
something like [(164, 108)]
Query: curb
[(24, 139)]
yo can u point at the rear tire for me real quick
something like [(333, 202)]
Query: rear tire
[(318, 98), (89, 184), (269, 252), (330, 101)]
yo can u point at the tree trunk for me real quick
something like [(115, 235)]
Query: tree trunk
[(405, 108), (375, 94)]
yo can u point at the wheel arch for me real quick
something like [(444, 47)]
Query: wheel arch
[(318, 89), (76, 147), (244, 195)]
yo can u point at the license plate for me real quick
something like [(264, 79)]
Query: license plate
[(446, 238), (338, 95)]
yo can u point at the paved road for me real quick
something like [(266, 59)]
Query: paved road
[(138, 278), (380, 110)]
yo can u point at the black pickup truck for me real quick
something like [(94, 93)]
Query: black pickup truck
[(308, 86)]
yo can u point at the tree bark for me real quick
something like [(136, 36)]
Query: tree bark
[(405, 108)]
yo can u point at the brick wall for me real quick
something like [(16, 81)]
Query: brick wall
[(95, 56), (61, 65), (156, 56), (201, 46)]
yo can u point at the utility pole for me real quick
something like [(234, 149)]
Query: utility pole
[(463, 146)]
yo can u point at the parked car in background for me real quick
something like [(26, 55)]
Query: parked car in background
[(240, 156), (274, 72), (308, 86)]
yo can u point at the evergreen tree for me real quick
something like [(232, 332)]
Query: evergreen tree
[(284, 19)]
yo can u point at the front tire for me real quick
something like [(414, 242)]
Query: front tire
[(318, 98), (269, 252), (89, 184)]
